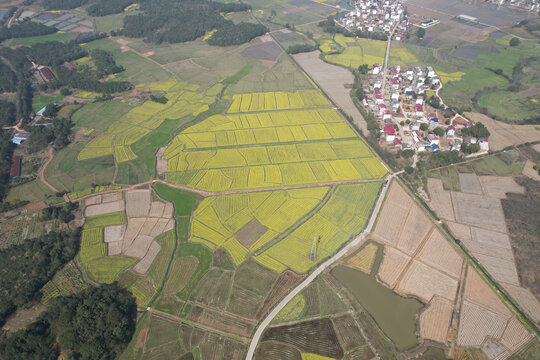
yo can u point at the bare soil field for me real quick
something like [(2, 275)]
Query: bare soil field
[(479, 292), (139, 247), (503, 134), (142, 266), (333, 80), (441, 201), (137, 203), (156, 209), (425, 282), (528, 170), (113, 233), (438, 253), (267, 50), (526, 300), (494, 350), (92, 200), (393, 264), (250, 233), (460, 231), (161, 162), (469, 184), (479, 211), (435, 319), (301, 335), (498, 186), (416, 228), (515, 335), (110, 197), (476, 323), (100, 209), (503, 270)]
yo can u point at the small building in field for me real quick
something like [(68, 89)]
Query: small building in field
[(20, 137), (15, 171), (484, 143), (450, 131)]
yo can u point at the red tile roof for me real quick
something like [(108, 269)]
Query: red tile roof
[(15, 167)]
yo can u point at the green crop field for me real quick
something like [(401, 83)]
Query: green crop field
[(356, 52), (106, 269), (101, 114), (29, 41), (92, 245), (511, 106), (115, 218)]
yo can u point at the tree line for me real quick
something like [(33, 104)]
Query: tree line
[(175, 22), (97, 323), (26, 28), (8, 113), (6, 153), (26, 268)]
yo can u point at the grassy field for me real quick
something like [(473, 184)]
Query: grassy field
[(100, 115), (511, 106), (107, 268), (31, 191), (99, 221), (142, 120), (66, 173), (40, 101), (356, 52), (29, 41), (269, 149)]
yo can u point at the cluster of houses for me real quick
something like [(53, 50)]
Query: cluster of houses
[(397, 99), (377, 16), (528, 5)]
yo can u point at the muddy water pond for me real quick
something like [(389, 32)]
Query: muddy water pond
[(394, 314)]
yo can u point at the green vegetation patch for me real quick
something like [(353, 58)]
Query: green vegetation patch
[(184, 202), (92, 245), (115, 218), (100, 115), (107, 268), (510, 106)]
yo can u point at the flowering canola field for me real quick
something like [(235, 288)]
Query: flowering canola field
[(140, 121), (260, 149), (218, 218)]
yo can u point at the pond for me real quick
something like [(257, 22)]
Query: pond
[(394, 314)]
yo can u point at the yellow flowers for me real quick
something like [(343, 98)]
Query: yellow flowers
[(141, 120)]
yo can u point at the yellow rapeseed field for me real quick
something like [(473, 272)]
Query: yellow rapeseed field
[(343, 216), (218, 220), (140, 121), (363, 260), (268, 149)]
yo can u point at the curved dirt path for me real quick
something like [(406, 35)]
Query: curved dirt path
[(42, 172), (356, 241)]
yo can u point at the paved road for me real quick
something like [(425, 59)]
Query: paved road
[(358, 240)]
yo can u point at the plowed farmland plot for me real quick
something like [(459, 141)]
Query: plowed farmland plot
[(302, 336), (248, 148)]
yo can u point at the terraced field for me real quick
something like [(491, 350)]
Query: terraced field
[(267, 149), (141, 120)]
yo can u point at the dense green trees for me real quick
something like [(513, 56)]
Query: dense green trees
[(8, 79), (63, 4), (180, 21), (232, 34), (25, 268), (107, 7), (8, 113), (105, 63), (97, 323), (478, 130), (300, 48), (58, 133), (6, 151), (52, 53), (26, 28)]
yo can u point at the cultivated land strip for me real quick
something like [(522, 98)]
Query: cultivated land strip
[(356, 241)]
